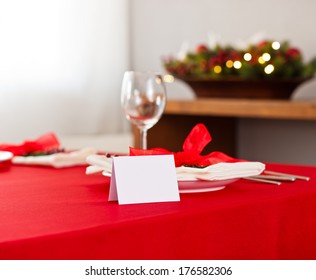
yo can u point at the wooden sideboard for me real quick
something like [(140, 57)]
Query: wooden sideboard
[(220, 116)]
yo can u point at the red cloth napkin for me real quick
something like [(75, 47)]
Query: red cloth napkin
[(192, 147), (44, 143)]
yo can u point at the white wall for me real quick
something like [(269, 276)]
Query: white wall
[(61, 67), (160, 27)]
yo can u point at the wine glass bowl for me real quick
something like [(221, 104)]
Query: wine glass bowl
[(143, 99)]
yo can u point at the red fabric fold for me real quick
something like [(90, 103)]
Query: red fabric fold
[(193, 145), (197, 139), (44, 143)]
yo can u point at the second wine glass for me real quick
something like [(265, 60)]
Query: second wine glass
[(143, 99)]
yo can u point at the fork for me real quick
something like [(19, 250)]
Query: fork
[(287, 175), (272, 177)]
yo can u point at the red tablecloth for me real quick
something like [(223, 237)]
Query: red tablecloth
[(47, 213)]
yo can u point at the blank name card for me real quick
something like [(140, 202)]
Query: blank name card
[(144, 179)]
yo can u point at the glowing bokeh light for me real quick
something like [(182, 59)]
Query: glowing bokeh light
[(217, 69), (269, 69), (261, 60), (237, 64), (266, 57), (168, 78), (229, 63), (276, 45), (247, 56)]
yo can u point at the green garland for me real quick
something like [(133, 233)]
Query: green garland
[(266, 60)]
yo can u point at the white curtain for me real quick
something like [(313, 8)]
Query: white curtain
[(61, 65)]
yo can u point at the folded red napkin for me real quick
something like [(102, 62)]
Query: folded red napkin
[(45, 143), (192, 147)]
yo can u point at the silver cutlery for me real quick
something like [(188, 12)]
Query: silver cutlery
[(263, 180), (272, 177), (287, 175)]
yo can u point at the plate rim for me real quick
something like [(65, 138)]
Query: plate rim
[(207, 185), (202, 190)]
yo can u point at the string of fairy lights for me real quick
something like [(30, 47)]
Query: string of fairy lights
[(265, 57)]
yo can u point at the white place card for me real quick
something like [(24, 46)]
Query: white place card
[(144, 179)]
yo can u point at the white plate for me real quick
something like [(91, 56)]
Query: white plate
[(5, 160), (4, 156), (197, 186), (203, 186)]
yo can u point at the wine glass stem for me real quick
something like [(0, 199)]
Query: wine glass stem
[(143, 138)]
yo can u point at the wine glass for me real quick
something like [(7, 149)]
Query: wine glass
[(143, 99)]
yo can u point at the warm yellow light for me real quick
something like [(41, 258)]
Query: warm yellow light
[(217, 69), (276, 45), (237, 64), (229, 63), (266, 57), (168, 78), (269, 69), (261, 60), (247, 56)]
